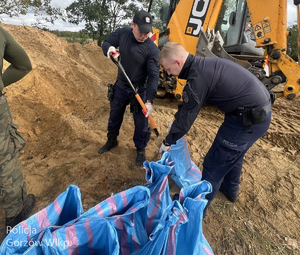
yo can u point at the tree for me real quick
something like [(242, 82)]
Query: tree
[(293, 42), (86, 11), (101, 17), (41, 9)]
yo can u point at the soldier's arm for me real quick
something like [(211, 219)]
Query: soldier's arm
[(20, 64)]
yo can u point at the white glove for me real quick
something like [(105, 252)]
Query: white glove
[(112, 51), (149, 109), (165, 147)]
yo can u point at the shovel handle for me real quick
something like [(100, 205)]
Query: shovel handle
[(137, 96)]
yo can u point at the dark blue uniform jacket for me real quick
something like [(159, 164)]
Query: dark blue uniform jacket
[(140, 60), (216, 81)]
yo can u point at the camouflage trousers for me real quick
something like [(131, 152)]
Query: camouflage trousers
[(12, 184)]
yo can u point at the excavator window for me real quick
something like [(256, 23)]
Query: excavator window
[(235, 27), (231, 26), (161, 11)]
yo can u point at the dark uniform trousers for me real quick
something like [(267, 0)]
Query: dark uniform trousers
[(118, 105), (222, 165)]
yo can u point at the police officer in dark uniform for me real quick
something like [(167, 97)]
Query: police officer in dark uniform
[(139, 56), (235, 91)]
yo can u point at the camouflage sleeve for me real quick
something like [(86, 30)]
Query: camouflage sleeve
[(20, 64)]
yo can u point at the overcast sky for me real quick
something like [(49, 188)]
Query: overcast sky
[(60, 25)]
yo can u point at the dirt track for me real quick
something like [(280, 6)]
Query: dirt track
[(62, 112)]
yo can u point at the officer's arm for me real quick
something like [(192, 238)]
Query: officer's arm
[(111, 40), (153, 74), (20, 64), (187, 112)]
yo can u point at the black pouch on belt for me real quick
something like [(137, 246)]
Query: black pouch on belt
[(110, 91), (134, 105), (244, 116), (258, 115)]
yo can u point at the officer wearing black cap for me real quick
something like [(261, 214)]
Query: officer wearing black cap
[(139, 56), (144, 21)]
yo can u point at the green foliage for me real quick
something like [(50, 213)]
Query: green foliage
[(293, 42), (160, 13), (81, 37), (14, 8), (101, 17), (41, 9)]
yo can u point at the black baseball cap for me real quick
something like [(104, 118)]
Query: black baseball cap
[(144, 21)]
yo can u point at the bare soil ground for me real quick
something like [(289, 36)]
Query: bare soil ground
[(62, 112)]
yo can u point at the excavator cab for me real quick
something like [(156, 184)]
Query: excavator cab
[(233, 24), (161, 11), (235, 27)]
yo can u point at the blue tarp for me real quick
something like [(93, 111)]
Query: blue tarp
[(26, 235), (142, 220), (185, 172)]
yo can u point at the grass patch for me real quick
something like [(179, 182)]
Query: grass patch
[(238, 234)]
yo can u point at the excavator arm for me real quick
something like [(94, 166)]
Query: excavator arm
[(269, 22)]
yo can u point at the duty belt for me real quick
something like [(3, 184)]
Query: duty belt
[(247, 116), (267, 108)]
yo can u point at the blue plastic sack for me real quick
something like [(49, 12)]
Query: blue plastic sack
[(25, 236), (163, 239), (193, 201), (180, 228), (185, 172), (129, 212), (125, 211), (158, 185), (83, 236), (142, 220), (183, 219)]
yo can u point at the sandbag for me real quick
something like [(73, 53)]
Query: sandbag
[(163, 239), (193, 201), (185, 172), (24, 238), (158, 185), (142, 220), (179, 230), (125, 212), (84, 236)]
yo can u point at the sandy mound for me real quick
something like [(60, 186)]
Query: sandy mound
[(62, 112)]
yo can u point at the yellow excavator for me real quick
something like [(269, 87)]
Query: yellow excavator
[(252, 33)]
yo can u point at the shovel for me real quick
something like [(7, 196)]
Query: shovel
[(137, 96)]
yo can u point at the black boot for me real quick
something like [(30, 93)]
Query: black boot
[(231, 198), (28, 205), (140, 157), (111, 143)]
